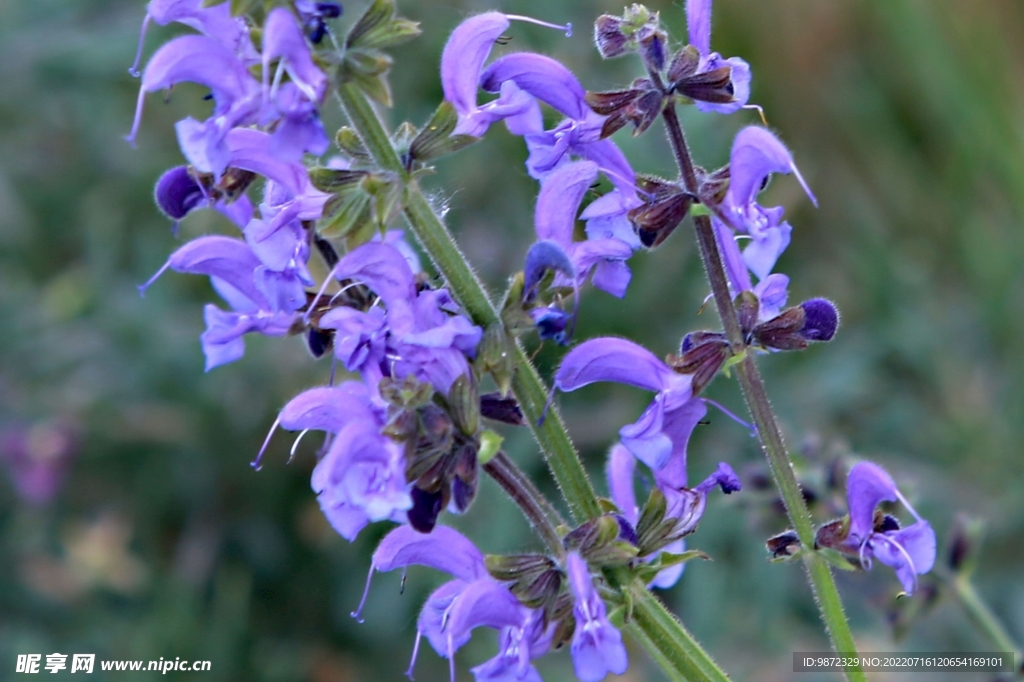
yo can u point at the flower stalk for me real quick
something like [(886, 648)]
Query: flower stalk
[(653, 625), (820, 575), (537, 509)]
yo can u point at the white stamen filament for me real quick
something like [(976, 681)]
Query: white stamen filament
[(530, 20)]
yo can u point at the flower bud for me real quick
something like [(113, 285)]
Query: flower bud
[(177, 193), (821, 319), (665, 206)]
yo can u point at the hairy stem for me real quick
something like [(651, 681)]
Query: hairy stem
[(435, 238), (819, 573), (985, 620), (654, 626), (535, 506)]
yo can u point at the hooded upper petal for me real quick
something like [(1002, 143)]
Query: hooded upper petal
[(867, 486), (283, 38), (543, 77), (444, 548), (613, 359), (698, 23), (559, 200), (463, 58)]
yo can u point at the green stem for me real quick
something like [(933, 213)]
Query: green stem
[(667, 640), (986, 621), (435, 238), (542, 516), (655, 627), (820, 574)]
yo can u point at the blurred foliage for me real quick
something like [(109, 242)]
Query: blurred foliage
[(905, 116)]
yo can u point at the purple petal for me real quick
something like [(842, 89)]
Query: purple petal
[(612, 276), (444, 549), (612, 359), (679, 425), (698, 23), (202, 60), (229, 259), (484, 602), (222, 341), (516, 107), (867, 486), (541, 76), (597, 647), (283, 38), (177, 193), (740, 77), (328, 408), (621, 467), (433, 619), (359, 338), (464, 56), (735, 268), (383, 269), (559, 201), (724, 477), (756, 154), (910, 551), (765, 248), (215, 22), (646, 439), (772, 293)]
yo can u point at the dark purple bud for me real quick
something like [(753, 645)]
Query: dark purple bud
[(177, 193), (329, 10), (426, 507), (652, 49), (463, 493), (552, 323), (609, 37), (505, 410), (626, 530), (821, 319), (319, 341), (543, 257)]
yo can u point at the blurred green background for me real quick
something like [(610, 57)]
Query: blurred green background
[(906, 118)]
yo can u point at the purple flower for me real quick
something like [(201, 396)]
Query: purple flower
[(427, 338), (314, 15), (361, 479), (655, 436), (698, 21), (461, 63), (555, 217), (215, 22), (471, 600), (910, 551), (206, 61), (756, 154), (517, 646), (597, 647), (294, 103), (621, 474)]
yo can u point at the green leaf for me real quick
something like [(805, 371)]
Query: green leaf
[(379, 12), (352, 211), (389, 34), (436, 139)]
